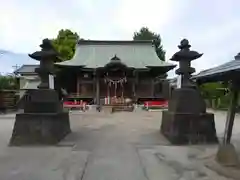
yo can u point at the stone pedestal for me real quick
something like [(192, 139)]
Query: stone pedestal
[(43, 120), (186, 120), (40, 128), (180, 128)]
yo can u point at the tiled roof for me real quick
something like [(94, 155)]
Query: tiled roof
[(135, 54), (231, 66), (26, 69)]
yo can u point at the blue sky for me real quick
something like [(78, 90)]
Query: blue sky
[(212, 27)]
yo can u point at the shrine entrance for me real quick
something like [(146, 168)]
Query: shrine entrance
[(115, 84)]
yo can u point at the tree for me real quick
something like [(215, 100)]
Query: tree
[(145, 34), (65, 43), (8, 82), (215, 93)]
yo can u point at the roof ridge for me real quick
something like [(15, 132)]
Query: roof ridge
[(30, 65), (80, 42)]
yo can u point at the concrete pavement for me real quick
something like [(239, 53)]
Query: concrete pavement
[(120, 146)]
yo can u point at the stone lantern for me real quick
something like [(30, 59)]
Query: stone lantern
[(186, 120), (43, 120), (47, 56), (184, 57)]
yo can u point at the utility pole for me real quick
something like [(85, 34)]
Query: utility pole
[(15, 67)]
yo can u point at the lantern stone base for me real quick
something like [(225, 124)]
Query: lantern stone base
[(183, 128), (43, 121), (40, 128)]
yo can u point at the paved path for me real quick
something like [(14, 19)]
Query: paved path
[(120, 146)]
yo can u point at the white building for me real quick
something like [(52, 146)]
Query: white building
[(28, 78)]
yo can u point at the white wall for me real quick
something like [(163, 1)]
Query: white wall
[(23, 81)]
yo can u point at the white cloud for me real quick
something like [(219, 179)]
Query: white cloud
[(134, 14), (23, 28), (25, 23)]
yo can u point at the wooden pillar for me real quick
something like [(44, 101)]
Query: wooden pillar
[(231, 114), (152, 86), (97, 89), (227, 154), (78, 84), (166, 89), (134, 84), (133, 88)]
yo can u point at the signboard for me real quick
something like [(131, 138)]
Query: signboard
[(51, 81), (179, 81)]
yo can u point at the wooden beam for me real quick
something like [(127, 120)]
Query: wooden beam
[(86, 81)]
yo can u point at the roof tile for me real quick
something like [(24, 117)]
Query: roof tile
[(136, 54)]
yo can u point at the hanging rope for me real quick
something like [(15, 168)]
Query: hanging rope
[(111, 81), (115, 83)]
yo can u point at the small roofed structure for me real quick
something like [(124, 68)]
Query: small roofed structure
[(26, 70), (228, 72), (222, 72), (106, 69)]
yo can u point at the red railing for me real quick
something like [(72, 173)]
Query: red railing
[(74, 104), (163, 103)]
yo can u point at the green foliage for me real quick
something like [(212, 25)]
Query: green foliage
[(212, 90), (216, 94), (8, 83), (145, 34), (224, 101), (65, 43)]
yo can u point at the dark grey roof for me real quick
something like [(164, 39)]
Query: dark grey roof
[(26, 69), (135, 54), (229, 66), (219, 71)]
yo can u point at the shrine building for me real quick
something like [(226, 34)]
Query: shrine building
[(101, 70)]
